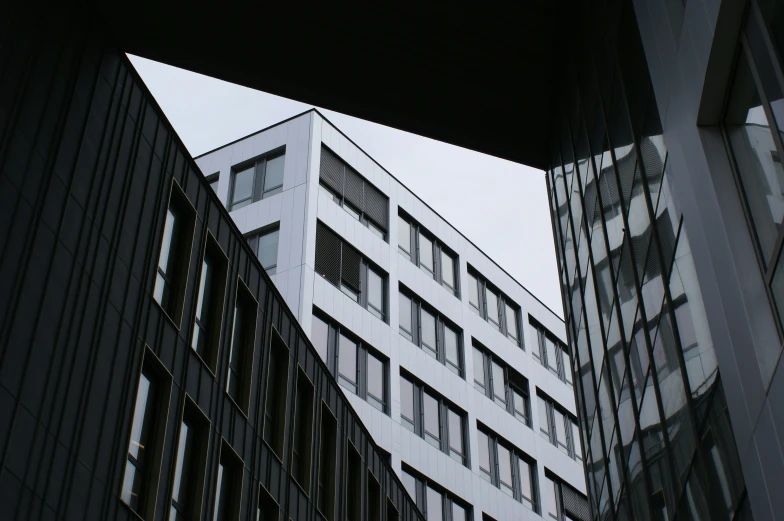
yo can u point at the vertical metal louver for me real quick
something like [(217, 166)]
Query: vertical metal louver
[(328, 246), (575, 505), (354, 189), (350, 267), (331, 170), (377, 207)]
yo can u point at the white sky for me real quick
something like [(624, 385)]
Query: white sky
[(499, 205)]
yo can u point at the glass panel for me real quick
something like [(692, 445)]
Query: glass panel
[(525, 480), (319, 335), (409, 482), (200, 340), (473, 292), (375, 377), (273, 177), (347, 362), (544, 417), (578, 450), (375, 291), (140, 444), (404, 237), (447, 269), (458, 512), (492, 307), (499, 383), (567, 366), (429, 332), (426, 254), (484, 454), (552, 354), (519, 406), (432, 430), (434, 506), (758, 161), (407, 401), (549, 500), (479, 368), (455, 435), (243, 188), (451, 348), (511, 322), (268, 251), (405, 316), (560, 430), (505, 470)]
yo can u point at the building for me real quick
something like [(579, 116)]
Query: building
[(435, 346), (655, 105)]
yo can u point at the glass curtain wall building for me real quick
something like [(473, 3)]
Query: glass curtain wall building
[(659, 443)]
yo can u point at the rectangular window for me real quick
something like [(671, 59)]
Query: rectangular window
[(485, 464), (566, 365), (373, 497), (354, 194), (213, 181), (268, 509), (145, 447), (303, 431), (431, 417), (434, 507), (174, 257), (560, 431), (190, 464), (437, 503), (257, 180), (392, 513), (376, 382), (527, 480), (240, 372), (344, 267), (208, 314), (433, 256), (559, 427), (436, 336), (479, 369), (553, 353), (277, 391), (507, 468), (544, 417), (353, 483), (347, 363), (319, 335), (327, 468), (228, 485), (549, 500), (520, 402), (264, 245), (576, 445), (493, 306), (500, 383)]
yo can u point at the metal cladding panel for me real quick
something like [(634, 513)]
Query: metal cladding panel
[(377, 206), (331, 170), (328, 246)]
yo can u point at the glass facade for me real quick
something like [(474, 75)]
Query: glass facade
[(644, 367)]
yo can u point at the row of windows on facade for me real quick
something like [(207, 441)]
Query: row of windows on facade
[(154, 388), (439, 504), (424, 250)]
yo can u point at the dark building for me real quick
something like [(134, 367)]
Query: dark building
[(149, 369), (657, 122)]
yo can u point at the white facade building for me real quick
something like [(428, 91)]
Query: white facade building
[(338, 281)]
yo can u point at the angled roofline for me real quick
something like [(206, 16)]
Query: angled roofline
[(317, 111)]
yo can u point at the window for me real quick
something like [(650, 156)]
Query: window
[(257, 180), (265, 245), (493, 306), (277, 390), (353, 483), (559, 427), (174, 257), (431, 417), (228, 485), (552, 353), (145, 446), (327, 468), (303, 431), (268, 509), (431, 331), (319, 335), (373, 497), (355, 276), (432, 255), (506, 467), (359, 198), (560, 502), (243, 336), (437, 503), (358, 366), (213, 181), (190, 464), (208, 314), (505, 386)]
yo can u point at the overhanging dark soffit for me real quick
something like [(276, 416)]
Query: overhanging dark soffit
[(480, 78)]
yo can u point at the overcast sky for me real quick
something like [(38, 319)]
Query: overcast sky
[(500, 206)]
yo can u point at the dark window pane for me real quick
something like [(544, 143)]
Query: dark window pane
[(319, 334), (347, 362)]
